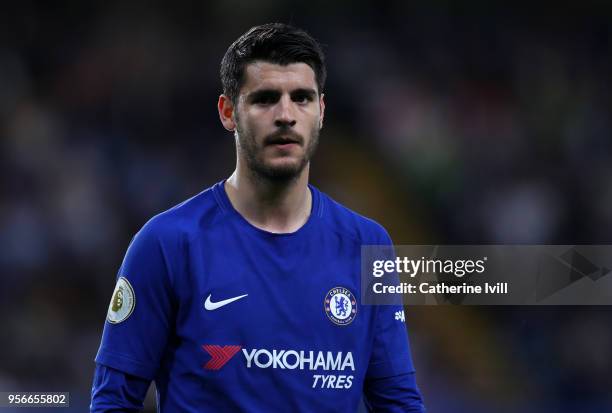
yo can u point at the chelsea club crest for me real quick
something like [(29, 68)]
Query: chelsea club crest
[(340, 306)]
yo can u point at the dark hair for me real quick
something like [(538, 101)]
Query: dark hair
[(274, 43)]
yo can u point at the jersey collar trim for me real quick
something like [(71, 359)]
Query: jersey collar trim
[(227, 207)]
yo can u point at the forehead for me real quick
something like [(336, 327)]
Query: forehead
[(264, 75)]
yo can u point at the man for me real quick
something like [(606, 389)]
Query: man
[(244, 298)]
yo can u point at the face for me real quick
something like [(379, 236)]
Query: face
[(277, 119)]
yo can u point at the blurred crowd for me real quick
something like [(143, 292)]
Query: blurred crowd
[(469, 124)]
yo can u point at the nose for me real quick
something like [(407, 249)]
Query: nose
[(284, 115)]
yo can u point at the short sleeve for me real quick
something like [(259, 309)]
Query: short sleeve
[(116, 391), (141, 312)]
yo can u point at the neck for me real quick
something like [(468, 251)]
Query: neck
[(273, 206)]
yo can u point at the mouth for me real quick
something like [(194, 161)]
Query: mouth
[(283, 139), (285, 147), (283, 142)]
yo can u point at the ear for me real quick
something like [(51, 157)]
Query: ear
[(226, 112), (321, 109)]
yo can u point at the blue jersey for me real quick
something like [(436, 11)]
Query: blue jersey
[(224, 316)]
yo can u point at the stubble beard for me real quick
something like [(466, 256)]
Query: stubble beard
[(252, 152)]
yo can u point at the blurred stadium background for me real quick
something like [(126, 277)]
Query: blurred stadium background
[(467, 123)]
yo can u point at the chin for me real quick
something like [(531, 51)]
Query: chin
[(281, 171)]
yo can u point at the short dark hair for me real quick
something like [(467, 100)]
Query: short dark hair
[(274, 43)]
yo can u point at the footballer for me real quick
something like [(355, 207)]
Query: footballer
[(244, 298)]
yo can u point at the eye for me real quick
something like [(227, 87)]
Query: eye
[(302, 98), (265, 98)]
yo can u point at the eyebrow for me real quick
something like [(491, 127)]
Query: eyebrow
[(262, 93), (304, 91), (275, 93)]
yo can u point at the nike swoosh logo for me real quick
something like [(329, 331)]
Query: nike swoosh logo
[(209, 305)]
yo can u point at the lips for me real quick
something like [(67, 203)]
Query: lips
[(284, 145), (283, 138), (282, 141)]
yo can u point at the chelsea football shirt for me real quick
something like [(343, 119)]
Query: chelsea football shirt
[(224, 316)]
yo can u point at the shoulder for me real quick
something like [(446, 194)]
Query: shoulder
[(184, 219), (347, 222)]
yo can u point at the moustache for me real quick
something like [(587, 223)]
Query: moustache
[(283, 136)]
